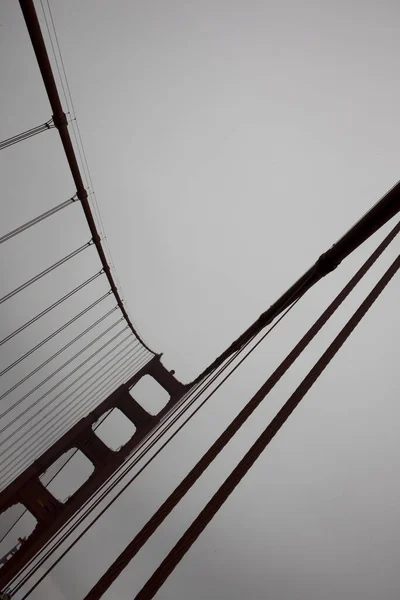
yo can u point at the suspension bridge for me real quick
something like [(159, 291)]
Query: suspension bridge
[(55, 395)]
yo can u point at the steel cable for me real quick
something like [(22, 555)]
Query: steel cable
[(48, 428), (183, 545), (54, 333), (51, 479), (93, 374), (49, 377), (160, 435), (36, 220), (51, 307), (45, 272), (57, 385), (20, 137), (89, 404), (165, 509), (53, 356)]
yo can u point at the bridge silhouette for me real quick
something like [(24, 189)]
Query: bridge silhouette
[(51, 409)]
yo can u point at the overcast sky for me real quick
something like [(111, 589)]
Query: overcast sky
[(230, 143)]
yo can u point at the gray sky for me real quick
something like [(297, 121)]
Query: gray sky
[(230, 143)]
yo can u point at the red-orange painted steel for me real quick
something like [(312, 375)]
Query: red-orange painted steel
[(61, 123), (49, 512)]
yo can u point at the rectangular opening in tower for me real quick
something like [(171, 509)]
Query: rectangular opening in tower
[(115, 430), (150, 395), (67, 474), (16, 525)]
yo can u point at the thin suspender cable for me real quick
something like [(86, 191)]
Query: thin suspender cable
[(81, 519), (80, 390), (91, 400), (68, 407), (60, 121), (53, 356), (165, 509), (16, 471), (88, 403), (154, 456), (193, 390), (49, 308), (56, 398), (384, 210), (58, 385), (67, 94), (49, 377), (103, 418), (99, 390), (36, 220), (40, 423), (46, 545), (51, 479), (13, 525), (144, 452), (125, 373), (56, 59), (85, 408), (45, 272), (56, 332), (373, 258), (77, 134), (120, 477), (20, 137), (37, 450), (51, 431), (167, 566), (42, 560)]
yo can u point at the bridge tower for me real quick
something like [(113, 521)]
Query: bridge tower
[(51, 514)]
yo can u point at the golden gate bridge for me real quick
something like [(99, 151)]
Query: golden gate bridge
[(53, 410)]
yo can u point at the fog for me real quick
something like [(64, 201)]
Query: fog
[(229, 145)]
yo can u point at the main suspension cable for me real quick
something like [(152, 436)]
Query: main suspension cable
[(344, 293), (174, 557), (136, 460), (165, 509), (36, 220)]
